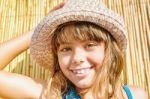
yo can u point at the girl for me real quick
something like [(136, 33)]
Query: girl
[(83, 47)]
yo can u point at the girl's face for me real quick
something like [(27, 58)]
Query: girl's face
[(80, 61)]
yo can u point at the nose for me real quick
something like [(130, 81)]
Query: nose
[(79, 56)]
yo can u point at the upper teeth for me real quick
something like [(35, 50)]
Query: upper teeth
[(81, 71)]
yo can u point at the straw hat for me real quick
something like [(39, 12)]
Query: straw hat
[(75, 10)]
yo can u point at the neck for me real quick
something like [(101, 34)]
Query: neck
[(85, 93)]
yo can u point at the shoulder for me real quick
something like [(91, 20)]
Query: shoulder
[(138, 93)]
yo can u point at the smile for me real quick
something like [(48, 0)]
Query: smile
[(81, 71)]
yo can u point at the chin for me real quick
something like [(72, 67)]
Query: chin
[(83, 85)]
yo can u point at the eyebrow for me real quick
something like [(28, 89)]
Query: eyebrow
[(72, 43)]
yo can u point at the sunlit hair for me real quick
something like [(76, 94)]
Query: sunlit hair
[(107, 84)]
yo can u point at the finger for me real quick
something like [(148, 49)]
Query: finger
[(65, 1), (58, 6)]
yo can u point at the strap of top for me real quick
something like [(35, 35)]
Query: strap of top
[(128, 92)]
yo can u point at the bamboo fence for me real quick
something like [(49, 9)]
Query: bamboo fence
[(19, 16)]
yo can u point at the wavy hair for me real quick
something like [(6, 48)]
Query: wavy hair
[(107, 85)]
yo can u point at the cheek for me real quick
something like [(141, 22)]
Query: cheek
[(98, 57), (64, 61)]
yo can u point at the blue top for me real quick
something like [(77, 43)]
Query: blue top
[(72, 94), (128, 92)]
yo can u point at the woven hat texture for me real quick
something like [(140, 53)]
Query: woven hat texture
[(75, 10)]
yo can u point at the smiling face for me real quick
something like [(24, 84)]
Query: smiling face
[(80, 61), (79, 50), (89, 57)]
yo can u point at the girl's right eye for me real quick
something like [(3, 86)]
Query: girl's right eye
[(66, 49)]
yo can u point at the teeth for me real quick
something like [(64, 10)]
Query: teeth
[(81, 71)]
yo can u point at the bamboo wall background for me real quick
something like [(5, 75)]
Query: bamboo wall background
[(19, 16)]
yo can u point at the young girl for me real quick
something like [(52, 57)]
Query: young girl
[(83, 46)]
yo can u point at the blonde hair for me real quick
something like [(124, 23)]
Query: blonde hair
[(107, 84)]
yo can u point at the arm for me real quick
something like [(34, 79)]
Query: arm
[(13, 85), (18, 45), (10, 49)]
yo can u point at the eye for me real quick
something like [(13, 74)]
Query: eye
[(90, 45), (65, 49)]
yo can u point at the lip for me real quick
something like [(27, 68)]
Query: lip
[(81, 75), (81, 68)]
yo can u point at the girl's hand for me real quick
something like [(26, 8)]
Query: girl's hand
[(58, 6)]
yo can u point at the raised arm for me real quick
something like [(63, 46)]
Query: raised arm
[(16, 86), (10, 49), (13, 85)]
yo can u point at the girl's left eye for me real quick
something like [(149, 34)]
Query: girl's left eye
[(90, 45)]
